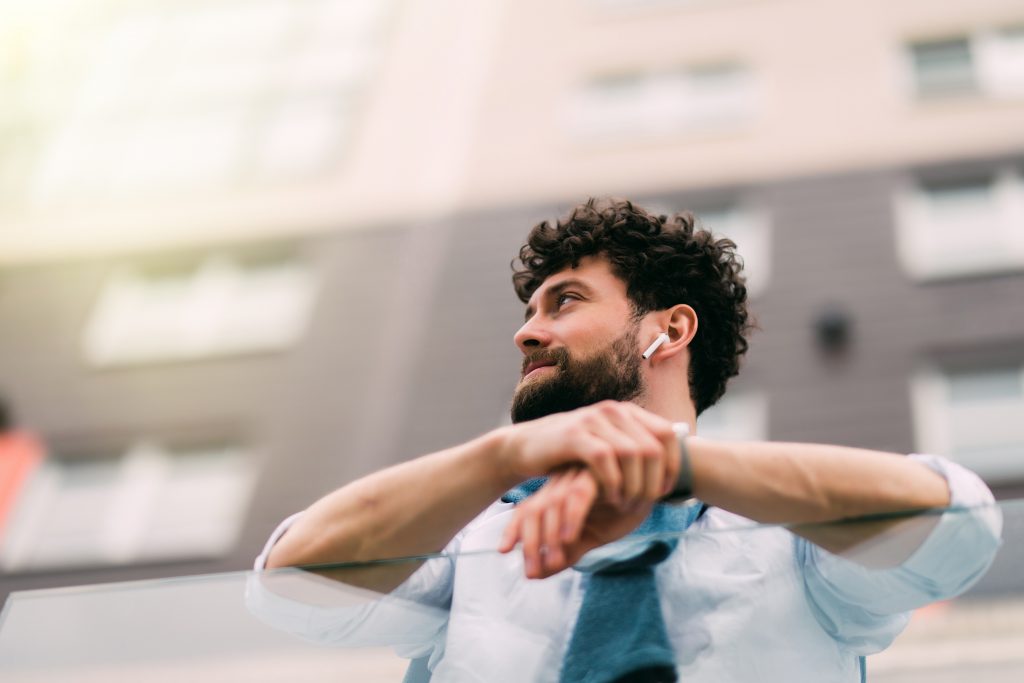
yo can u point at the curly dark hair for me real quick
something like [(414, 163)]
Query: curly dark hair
[(664, 261)]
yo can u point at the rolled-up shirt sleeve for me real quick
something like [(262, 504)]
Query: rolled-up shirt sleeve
[(865, 609), (412, 618)]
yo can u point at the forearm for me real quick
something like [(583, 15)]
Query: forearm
[(409, 509), (806, 483)]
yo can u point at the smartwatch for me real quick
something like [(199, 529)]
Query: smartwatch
[(682, 492)]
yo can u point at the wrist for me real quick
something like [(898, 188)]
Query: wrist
[(717, 464), (501, 457)]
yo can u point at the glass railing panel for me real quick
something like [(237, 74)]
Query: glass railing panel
[(340, 622)]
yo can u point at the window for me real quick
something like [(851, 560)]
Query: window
[(1001, 62), (962, 225), (988, 62), (974, 416), (738, 416), (302, 135), (709, 98), (746, 225), (219, 306), (168, 99), (943, 67), (151, 503)]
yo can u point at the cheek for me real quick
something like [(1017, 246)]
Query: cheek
[(591, 332)]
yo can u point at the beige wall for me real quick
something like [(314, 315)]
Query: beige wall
[(406, 160), (832, 84), (465, 111)]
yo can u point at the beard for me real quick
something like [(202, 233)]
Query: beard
[(611, 374)]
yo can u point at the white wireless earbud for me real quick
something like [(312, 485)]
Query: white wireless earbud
[(662, 338)]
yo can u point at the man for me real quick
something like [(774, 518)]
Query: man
[(20, 454), (594, 414)]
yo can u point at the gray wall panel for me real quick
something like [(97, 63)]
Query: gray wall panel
[(468, 365)]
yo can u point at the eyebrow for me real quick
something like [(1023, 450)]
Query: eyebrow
[(558, 289)]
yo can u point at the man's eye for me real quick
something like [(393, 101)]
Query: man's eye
[(563, 298)]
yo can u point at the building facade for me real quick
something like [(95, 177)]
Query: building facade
[(235, 275)]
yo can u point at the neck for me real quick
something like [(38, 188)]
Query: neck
[(667, 391), (675, 406)]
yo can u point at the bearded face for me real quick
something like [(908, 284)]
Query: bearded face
[(611, 374)]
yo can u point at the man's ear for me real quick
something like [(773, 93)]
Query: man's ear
[(680, 322)]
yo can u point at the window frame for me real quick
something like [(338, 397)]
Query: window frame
[(920, 251), (933, 413)]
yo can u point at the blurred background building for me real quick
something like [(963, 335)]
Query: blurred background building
[(250, 251)]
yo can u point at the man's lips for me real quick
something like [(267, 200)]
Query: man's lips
[(537, 364)]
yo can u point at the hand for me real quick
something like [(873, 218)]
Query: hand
[(632, 453), (565, 519)]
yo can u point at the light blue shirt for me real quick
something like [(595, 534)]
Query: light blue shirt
[(740, 603)]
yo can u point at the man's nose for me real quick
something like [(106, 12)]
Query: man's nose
[(532, 335)]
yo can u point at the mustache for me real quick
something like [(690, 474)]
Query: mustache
[(557, 357)]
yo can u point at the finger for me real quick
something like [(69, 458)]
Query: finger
[(634, 446), (661, 429), (510, 536), (673, 465), (556, 490), (625, 457), (654, 459), (578, 503), (599, 457), (632, 468), (553, 558), (574, 551), (654, 477), (530, 535)]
